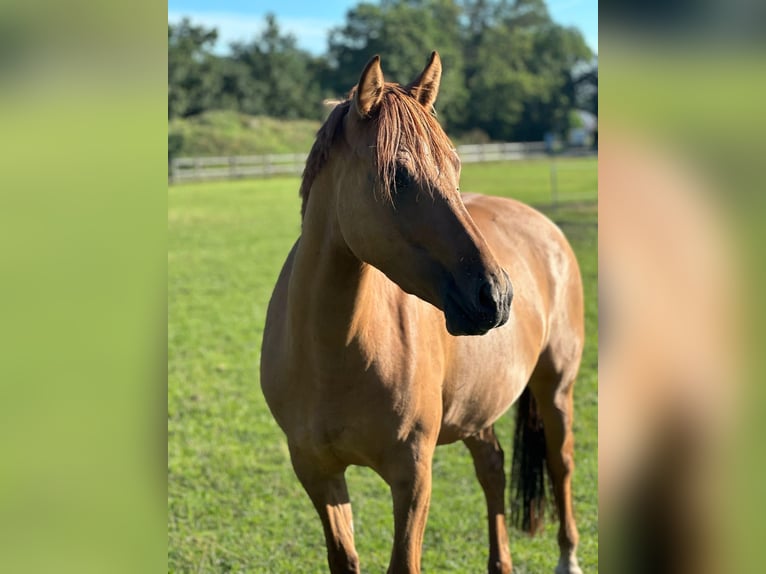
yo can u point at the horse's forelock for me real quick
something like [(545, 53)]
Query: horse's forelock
[(403, 124)]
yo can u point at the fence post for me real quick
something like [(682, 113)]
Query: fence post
[(232, 167), (554, 183)]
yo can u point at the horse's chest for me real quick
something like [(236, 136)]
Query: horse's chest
[(351, 409), (349, 424)]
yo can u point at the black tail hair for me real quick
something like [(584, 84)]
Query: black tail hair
[(528, 467)]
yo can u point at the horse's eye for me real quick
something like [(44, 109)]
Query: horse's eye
[(402, 178)]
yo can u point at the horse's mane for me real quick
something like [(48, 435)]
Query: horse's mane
[(403, 127)]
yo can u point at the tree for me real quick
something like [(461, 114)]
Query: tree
[(239, 90), (509, 69), (519, 69), (585, 80), (193, 83), (403, 33), (280, 80), (500, 84)]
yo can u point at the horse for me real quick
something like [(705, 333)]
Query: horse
[(394, 327)]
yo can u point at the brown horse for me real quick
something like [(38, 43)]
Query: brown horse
[(363, 362)]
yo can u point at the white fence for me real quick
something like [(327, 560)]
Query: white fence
[(500, 151), (234, 167)]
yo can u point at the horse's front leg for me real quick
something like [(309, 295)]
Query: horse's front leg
[(327, 489), (408, 473)]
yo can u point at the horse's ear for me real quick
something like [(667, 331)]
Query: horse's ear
[(425, 88), (369, 91)]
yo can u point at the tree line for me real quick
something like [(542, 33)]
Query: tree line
[(510, 71)]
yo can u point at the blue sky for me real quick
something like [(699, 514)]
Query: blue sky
[(309, 21)]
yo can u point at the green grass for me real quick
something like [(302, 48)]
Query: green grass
[(234, 504), (530, 181), (219, 132)]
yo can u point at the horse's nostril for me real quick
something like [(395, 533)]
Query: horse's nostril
[(487, 296)]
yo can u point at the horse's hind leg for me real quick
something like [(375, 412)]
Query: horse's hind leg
[(552, 387), (329, 494), (488, 460)]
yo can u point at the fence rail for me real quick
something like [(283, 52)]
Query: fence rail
[(235, 167)]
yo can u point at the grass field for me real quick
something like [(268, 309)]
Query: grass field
[(234, 504)]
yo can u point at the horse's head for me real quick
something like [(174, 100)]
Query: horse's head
[(399, 206)]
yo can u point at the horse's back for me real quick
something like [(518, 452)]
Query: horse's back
[(514, 228)]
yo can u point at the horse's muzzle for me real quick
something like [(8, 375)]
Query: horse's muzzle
[(486, 306)]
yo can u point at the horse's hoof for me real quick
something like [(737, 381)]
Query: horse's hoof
[(568, 566)]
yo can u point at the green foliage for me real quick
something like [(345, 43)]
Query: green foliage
[(234, 504), (507, 65), (193, 83), (278, 71), (575, 120), (585, 79), (519, 70), (232, 133), (403, 33), (268, 76), (509, 70)]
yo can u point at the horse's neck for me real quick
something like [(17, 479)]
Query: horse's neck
[(329, 286), (344, 315)]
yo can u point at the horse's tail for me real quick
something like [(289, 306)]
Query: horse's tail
[(528, 467)]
